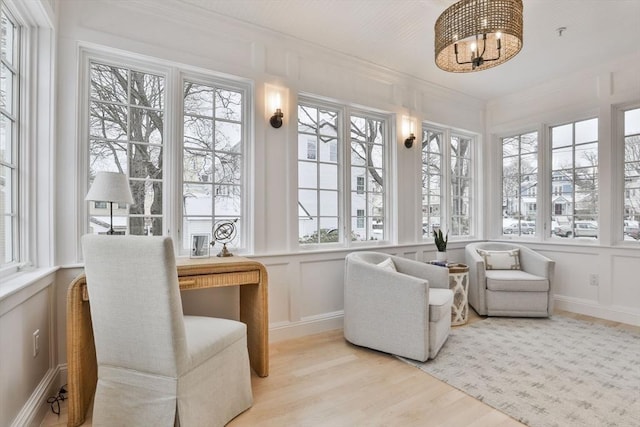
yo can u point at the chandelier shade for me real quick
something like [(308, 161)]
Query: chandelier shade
[(473, 35)]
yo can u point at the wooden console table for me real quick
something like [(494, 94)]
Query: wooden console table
[(82, 371)]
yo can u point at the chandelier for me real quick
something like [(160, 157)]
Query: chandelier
[(473, 35)]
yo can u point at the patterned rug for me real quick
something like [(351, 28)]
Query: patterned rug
[(545, 372)]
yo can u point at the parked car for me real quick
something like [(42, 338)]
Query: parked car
[(632, 229), (580, 229), (525, 227)]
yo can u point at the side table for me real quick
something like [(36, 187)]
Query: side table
[(459, 284)]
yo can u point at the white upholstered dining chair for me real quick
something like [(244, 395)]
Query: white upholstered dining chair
[(156, 366)]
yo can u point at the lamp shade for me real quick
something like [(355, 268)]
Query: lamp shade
[(110, 187), (473, 35)]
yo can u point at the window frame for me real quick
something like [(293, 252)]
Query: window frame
[(619, 214), (345, 184), (174, 75), (245, 222), (549, 170), (16, 119), (537, 193), (446, 194)]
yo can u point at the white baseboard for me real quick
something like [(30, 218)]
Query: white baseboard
[(589, 308), (36, 407), (307, 326)]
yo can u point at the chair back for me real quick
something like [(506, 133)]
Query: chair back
[(135, 303)]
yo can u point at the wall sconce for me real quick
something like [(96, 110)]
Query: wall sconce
[(408, 129), (276, 119)]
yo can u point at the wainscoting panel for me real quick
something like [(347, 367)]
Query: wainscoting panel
[(321, 283)]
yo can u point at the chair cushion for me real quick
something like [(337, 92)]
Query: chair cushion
[(387, 264), (440, 301), (515, 280), (501, 260)]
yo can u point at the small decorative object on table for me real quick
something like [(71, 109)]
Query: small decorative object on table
[(441, 243), (199, 245), (224, 232)]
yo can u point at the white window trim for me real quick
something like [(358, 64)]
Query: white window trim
[(36, 138), (174, 75), (345, 111), (445, 194)]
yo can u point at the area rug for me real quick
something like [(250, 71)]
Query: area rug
[(545, 372)]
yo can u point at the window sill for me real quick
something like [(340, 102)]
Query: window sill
[(20, 286)]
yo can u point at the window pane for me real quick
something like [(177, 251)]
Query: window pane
[(329, 176), (198, 100), (587, 131), (145, 161), (214, 133), (109, 83), (307, 119), (126, 123), (109, 156), (228, 136), (6, 139), (108, 121), (632, 122), (6, 88), (328, 123), (147, 90), (228, 200), (228, 105), (307, 175), (519, 185), (574, 177), (631, 215), (146, 125)]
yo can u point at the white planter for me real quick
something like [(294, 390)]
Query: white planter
[(441, 256)]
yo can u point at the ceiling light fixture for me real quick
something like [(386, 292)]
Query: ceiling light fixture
[(473, 35)]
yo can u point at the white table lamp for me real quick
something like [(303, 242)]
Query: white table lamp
[(110, 187)]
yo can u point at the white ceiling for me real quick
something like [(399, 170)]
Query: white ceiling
[(398, 34)]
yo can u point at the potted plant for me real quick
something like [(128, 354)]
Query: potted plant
[(441, 243)]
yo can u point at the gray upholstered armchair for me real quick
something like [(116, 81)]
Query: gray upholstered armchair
[(396, 305), (507, 279)]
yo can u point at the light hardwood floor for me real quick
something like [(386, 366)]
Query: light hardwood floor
[(321, 380)]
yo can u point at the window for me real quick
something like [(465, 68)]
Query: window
[(574, 168), (9, 136), (130, 116), (460, 174), (126, 134), (318, 193), (632, 174), (446, 206), (431, 180), (323, 177), (213, 165), (368, 138), (520, 183), (102, 205)]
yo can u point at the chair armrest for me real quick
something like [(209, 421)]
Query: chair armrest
[(477, 279), (536, 263)]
